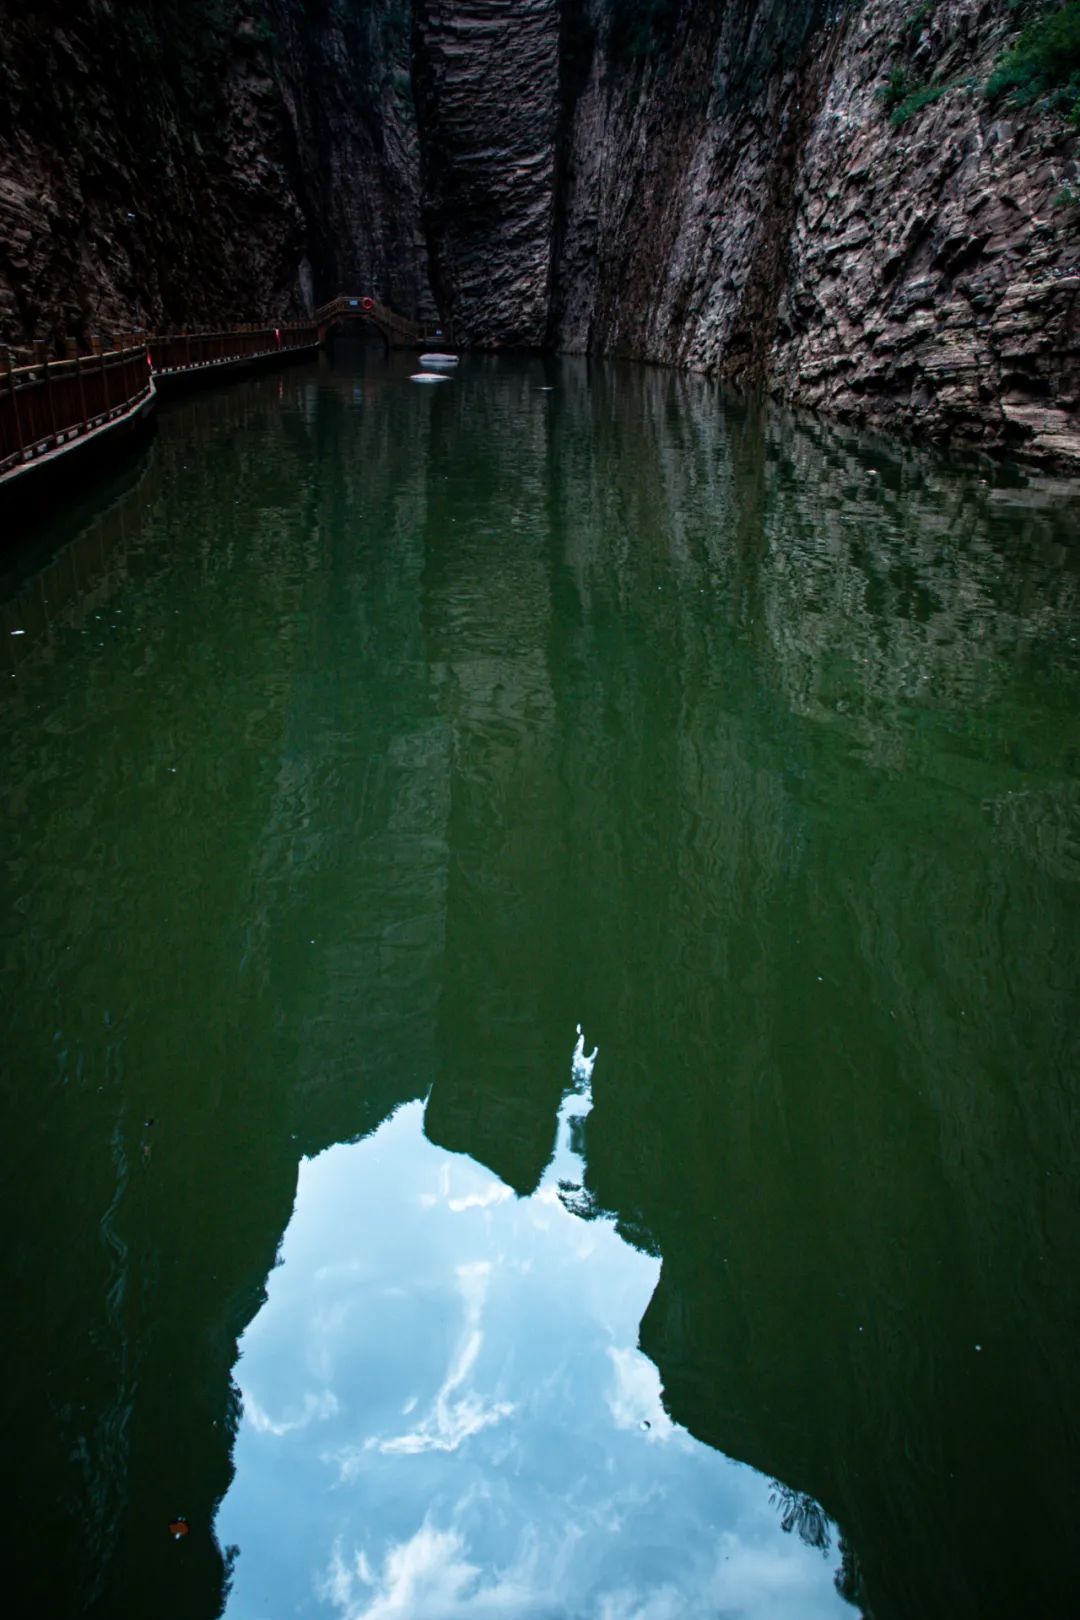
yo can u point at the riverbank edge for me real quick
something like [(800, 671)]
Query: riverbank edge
[(38, 487)]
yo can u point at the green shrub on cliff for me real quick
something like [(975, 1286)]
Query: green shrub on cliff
[(896, 89), (924, 95), (1044, 63), (902, 95), (913, 24), (903, 99)]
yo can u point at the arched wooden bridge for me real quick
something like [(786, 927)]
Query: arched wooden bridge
[(397, 331)]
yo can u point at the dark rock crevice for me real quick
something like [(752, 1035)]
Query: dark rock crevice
[(487, 90), (577, 47), (758, 319)]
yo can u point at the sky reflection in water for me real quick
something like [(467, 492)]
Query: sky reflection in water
[(445, 1413)]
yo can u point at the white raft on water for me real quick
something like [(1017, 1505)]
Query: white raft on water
[(438, 359), (429, 376)]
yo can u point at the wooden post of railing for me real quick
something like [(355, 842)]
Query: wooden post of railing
[(14, 402), (95, 354), (41, 356), (73, 355), (103, 372)]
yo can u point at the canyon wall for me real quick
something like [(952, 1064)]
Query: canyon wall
[(215, 162), (487, 86), (921, 275), (720, 186), (714, 184)]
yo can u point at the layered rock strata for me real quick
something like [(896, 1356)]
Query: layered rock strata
[(210, 163), (729, 193), (488, 101)]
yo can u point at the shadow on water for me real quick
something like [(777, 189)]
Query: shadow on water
[(376, 737)]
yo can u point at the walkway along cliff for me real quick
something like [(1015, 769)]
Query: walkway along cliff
[(64, 416), (847, 202)]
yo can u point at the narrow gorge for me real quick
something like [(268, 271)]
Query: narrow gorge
[(540, 808), (815, 197)]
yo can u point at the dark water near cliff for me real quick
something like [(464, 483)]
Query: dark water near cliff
[(363, 742)]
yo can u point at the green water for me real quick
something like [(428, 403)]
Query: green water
[(362, 740)]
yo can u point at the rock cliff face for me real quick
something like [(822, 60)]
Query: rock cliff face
[(715, 184), (487, 90), (722, 188), (211, 162)]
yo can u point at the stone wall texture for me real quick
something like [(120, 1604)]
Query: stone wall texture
[(488, 100), (766, 221), (212, 162), (713, 184)]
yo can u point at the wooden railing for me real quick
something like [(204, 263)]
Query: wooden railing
[(183, 351), (46, 403), (49, 402)]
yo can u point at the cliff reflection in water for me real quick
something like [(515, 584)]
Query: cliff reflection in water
[(752, 745), (445, 1413)]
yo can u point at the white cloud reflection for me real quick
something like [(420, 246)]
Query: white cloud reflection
[(456, 1413), (315, 1408), (496, 1192), (428, 1577), (634, 1400), (480, 1434), (433, 1575)]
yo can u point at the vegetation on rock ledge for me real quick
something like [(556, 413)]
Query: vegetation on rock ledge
[(903, 99), (1044, 63)]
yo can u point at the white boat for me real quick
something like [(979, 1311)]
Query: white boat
[(429, 376), (438, 359)]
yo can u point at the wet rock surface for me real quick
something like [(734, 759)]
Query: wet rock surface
[(936, 263), (728, 192)]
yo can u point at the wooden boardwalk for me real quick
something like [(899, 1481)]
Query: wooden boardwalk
[(175, 354), (51, 408)]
